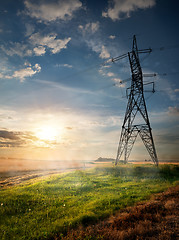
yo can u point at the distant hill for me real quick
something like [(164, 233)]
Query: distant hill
[(100, 159)]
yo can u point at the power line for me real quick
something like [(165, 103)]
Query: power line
[(166, 47), (120, 57), (117, 84)]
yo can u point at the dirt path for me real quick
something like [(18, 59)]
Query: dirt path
[(23, 176), (157, 219)]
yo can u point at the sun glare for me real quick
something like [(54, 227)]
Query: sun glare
[(47, 133)]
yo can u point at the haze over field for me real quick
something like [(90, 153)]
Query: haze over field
[(58, 101)]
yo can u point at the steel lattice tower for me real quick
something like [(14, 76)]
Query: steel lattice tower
[(136, 107)]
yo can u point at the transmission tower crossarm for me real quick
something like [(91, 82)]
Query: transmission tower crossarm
[(148, 50), (119, 57), (149, 74)]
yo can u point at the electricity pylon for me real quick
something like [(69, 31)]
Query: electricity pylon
[(136, 107)]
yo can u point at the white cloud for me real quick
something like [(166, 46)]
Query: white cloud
[(103, 71), (28, 71), (176, 90), (119, 9), (119, 82), (50, 41), (97, 47), (112, 37), (104, 52), (37, 67), (22, 73), (39, 51), (37, 45), (64, 65), (110, 74), (59, 44), (50, 11), (94, 41), (89, 27)]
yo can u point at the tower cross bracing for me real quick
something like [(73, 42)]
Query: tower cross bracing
[(136, 107)]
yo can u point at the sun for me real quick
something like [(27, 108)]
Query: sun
[(47, 133)]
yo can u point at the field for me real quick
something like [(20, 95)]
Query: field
[(49, 207)]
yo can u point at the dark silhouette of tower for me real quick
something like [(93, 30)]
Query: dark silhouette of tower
[(136, 112)]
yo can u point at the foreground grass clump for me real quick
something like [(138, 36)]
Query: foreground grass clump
[(50, 206)]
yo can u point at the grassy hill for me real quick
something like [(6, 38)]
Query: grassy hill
[(49, 207)]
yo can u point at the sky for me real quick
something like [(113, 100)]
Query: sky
[(61, 96)]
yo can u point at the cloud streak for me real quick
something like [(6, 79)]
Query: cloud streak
[(65, 65), (23, 139), (9, 135), (120, 9), (65, 87), (17, 48), (14, 138)]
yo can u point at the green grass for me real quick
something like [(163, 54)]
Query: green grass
[(46, 207)]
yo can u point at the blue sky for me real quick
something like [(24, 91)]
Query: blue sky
[(58, 99)]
